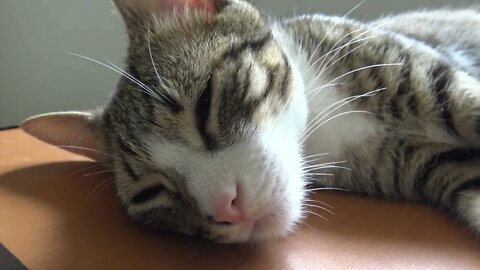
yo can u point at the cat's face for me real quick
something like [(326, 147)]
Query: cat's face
[(206, 127)]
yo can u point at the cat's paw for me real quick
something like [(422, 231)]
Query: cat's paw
[(468, 208)]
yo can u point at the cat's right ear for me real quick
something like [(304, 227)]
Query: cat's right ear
[(76, 132)]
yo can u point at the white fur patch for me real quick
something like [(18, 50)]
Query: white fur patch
[(258, 81), (471, 206), (340, 125), (462, 57)]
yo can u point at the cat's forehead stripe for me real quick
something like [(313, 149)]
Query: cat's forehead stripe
[(255, 45)]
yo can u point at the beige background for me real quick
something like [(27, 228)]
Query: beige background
[(36, 75)]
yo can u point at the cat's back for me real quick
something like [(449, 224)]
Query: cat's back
[(453, 32)]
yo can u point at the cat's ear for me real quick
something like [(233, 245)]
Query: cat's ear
[(137, 14), (72, 131), (155, 6)]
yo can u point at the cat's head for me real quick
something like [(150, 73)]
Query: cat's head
[(203, 132)]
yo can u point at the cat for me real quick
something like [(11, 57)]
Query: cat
[(224, 119)]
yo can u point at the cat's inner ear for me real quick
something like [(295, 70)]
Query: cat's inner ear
[(154, 6), (72, 131)]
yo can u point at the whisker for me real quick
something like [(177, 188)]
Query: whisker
[(320, 202), (98, 188), (316, 155), (354, 40), (121, 72), (96, 173), (328, 65), (365, 68), (329, 188), (326, 163), (89, 149), (317, 174), (313, 171), (340, 103), (160, 78), (335, 51), (151, 57), (319, 207), (151, 92), (94, 165), (311, 161), (332, 118), (331, 29), (316, 214)]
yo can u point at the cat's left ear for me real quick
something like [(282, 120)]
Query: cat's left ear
[(155, 6), (76, 132), (136, 13)]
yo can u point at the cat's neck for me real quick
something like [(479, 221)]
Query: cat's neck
[(310, 44), (319, 45)]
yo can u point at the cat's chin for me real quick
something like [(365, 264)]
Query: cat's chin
[(261, 231)]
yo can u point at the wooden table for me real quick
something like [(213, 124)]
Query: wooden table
[(57, 212)]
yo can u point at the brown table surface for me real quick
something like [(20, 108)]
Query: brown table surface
[(57, 213)]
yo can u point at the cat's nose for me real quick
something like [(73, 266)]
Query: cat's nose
[(227, 208)]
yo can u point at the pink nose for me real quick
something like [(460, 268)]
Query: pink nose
[(227, 208)]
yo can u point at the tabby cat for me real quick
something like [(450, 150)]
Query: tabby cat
[(223, 118)]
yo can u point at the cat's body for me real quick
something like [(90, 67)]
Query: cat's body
[(425, 107), (217, 127)]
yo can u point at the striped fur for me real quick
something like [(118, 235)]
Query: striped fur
[(220, 97)]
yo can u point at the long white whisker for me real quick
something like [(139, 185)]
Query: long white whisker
[(364, 68), (87, 168), (316, 214), (319, 202), (96, 173), (355, 39), (151, 58), (160, 78), (319, 207), (316, 155), (99, 187), (331, 29), (121, 72), (328, 65), (89, 149), (307, 162), (328, 163), (329, 188), (315, 170), (344, 102), (337, 49), (315, 90), (334, 47), (317, 174), (139, 83), (332, 118)]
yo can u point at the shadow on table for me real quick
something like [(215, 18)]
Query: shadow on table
[(96, 234)]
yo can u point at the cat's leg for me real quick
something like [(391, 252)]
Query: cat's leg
[(446, 176), (453, 103), (415, 168)]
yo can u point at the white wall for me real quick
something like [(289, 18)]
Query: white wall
[(36, 75)]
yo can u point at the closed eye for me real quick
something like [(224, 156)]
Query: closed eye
[(148, 194), (202, 113)]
